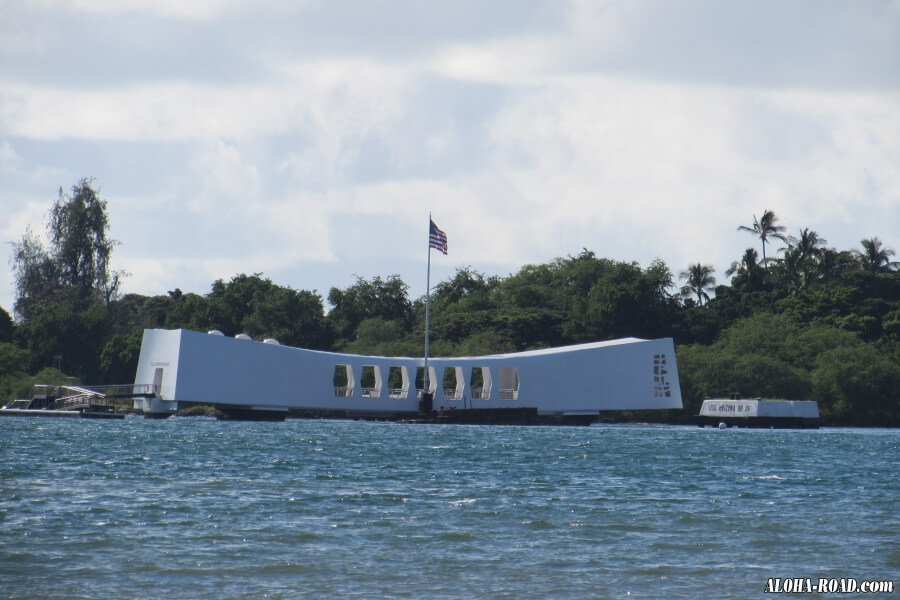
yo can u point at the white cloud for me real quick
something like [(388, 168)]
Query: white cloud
[(292, 136), (9, 159), (200, 10)]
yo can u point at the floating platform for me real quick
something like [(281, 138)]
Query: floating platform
[(759, 413), (70, 414)]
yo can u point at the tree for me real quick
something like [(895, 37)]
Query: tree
[(295, 318), (468, 290), (629, 301), (80, 247), (14, 382), (875, 257), (807, 251), (764, 228), (119, 357), (6, 326), (788, 271), (254, 305), (698, 279), (35, 275), (833, 264), (384, 298), (746, 272), (66, 335), (76, 265)]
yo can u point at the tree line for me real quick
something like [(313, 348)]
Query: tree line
[(805, 321)]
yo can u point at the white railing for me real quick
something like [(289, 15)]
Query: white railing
[(371, 392), (481, 394), (343, 392), (398, 392), (125, 390), (508, 394), (80, 401), (453, 394)]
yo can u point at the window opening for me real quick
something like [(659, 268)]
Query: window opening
[(508, 383), (370, 381), (420, 379), (454, 384), (343, 381), (480, 383), (157, 381), (398, 382)]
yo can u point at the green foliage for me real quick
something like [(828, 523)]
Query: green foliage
[(379, 298), (80, 248), (67, 336), (188, 311), (6, 326), (774, 356), (875, 257), (256, 306), (377, 336), (75, 268), (119, 357), (699, 279), (809, 322), (752, 357), (293, 317), (14, 381), (467, 291), (13, 360), (764, 228)]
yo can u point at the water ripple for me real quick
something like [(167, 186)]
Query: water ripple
[(205, 509)]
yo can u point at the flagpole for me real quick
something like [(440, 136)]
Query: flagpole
[(427, 308)]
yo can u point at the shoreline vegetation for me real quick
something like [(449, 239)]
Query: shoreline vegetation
[(804, 322)]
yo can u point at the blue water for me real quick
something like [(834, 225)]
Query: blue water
[(197, 508)]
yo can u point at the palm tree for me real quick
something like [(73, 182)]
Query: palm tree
[(802, 256), (876, 257), (788, 271), (832, 264), (746, 271), (809, 244), (699, 278), (764, 228)]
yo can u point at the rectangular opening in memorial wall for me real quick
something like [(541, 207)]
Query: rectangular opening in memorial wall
[(398, 382), (370, 381), (480, 383), (343, 381)]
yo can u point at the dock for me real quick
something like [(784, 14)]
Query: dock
[(75, 401), (65, 414)]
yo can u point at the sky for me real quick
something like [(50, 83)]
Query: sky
[(308, 140)]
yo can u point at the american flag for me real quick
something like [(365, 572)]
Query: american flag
[(437, 239)]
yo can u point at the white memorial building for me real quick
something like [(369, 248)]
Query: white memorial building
[(249, 379)]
